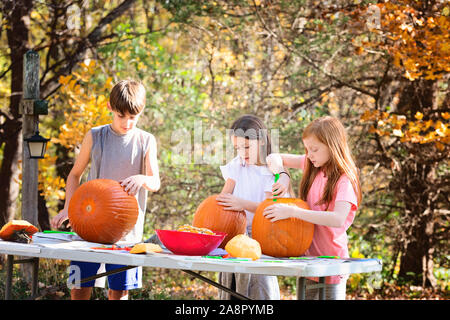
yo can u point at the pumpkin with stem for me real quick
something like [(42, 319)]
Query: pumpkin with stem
[(283, 238), (210, 214), (101, 211)]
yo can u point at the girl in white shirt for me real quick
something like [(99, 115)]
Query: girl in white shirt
[(248, 181)]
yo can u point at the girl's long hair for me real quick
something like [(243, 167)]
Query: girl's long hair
[(331, 132)]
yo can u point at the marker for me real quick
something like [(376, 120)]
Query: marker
[(300, 258), (56, 231), (238, 259), (329, 257), (277, 176), (232, 260), (112, 248)]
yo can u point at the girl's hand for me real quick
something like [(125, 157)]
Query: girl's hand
[(281, 187), (133, 184), (278, 211), (274, 163), (230, 202)]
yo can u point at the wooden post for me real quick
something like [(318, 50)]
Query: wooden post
[(30, 123)]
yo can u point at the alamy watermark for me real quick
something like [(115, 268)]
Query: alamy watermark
[(74, 279), (205, 145)]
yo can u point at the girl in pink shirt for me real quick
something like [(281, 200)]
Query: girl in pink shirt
[(331, 187)]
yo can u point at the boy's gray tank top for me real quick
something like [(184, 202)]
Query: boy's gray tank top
[(116, 157)]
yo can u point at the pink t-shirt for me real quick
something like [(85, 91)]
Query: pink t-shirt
[(328, 241)]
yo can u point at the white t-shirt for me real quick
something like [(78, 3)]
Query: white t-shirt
[(252, 182)]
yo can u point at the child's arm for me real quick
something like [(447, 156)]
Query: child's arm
[(335, 218), (233, 203), (228, 187), (276, 164), (73, 180), (150, 180), (278, 161)]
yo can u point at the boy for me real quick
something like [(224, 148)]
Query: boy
[(121, 152)]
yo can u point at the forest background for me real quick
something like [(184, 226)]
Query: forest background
[(382, 67)]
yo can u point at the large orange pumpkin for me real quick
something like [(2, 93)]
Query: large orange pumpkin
[(283, 238), (211, 215), (101, 211)]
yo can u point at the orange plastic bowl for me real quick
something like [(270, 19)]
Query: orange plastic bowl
[(189, 243)]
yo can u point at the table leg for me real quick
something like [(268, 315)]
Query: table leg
[(322, 288), (107, 273), (9, 274), (301, 288), (217, 285), (35, 273)]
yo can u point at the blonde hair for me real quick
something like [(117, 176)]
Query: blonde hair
[(331, 132), (127, 97)]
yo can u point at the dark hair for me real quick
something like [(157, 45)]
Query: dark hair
[(251, 127), (128, 96)]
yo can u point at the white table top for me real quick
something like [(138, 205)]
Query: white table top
[(69, 247)]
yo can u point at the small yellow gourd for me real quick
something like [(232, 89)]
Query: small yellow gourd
[(242, 246), (146, 248)]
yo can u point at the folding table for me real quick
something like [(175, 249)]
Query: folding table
[(71, 247)]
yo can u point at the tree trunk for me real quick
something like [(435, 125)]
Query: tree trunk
[(43, 216), (16, 14), (417, 184), (416, 260), (17, 34), (418, 227)]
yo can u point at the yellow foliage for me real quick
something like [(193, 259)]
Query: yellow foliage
[(419, 131), (417, 41), (356, 254), (419, 116), (84, 106), (84, 109), (420, 45)]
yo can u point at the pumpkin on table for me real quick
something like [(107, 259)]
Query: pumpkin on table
[(283, 238), (210, 214), (146, 248), (101, 211), (18, 231), (242, 246)]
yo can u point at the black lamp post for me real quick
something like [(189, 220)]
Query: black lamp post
[(37, 146)]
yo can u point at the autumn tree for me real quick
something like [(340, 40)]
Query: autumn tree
[(402, 69), (43, 27), (382, 67), (409, 125)]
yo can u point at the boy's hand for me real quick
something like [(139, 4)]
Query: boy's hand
[(281, 187), (57, 220), (230, 202), (133, 184)]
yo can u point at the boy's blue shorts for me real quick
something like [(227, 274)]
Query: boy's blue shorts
[(125, 280)]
